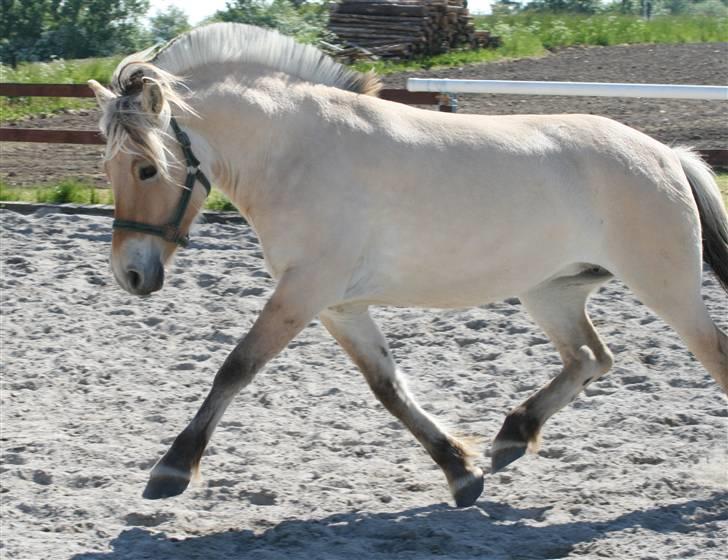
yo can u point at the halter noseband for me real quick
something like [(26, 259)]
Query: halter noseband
[(171, 231)]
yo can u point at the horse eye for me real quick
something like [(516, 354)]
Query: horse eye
[(147, 172)]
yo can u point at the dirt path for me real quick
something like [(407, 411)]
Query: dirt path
[(306, 464), (703, 124), (700, 123)]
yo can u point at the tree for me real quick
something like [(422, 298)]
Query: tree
[(505, 7), (168, 24), (41, 29), (20, 28), (306, 21), (573, 6), (711, 8)]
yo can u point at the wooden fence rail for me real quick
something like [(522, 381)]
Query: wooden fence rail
[(45, 90), (51, 136), (716, 157)]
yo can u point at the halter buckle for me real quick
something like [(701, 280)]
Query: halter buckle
[(172, 234)]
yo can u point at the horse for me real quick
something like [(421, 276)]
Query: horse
[(359, 201)]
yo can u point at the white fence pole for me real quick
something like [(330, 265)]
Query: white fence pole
[(664, 91)]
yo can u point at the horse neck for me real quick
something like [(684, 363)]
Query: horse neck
[(247, 133)]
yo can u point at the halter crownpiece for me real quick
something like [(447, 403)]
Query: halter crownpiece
[(171, 231)]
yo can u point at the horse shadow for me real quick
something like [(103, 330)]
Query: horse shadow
[(489, 531)]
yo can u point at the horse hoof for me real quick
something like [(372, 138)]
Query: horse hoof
[(520, 429), (165, 485), (505, 452), (469, 489)]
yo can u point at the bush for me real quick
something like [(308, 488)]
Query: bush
[(217, 201), (306, 22), (41, 29), (68, 191), (561, 30)]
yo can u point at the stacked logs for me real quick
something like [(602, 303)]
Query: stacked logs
[(403, 28)]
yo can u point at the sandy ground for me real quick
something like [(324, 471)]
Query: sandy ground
[(306, 464)]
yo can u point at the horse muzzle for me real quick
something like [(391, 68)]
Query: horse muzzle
[(142, 281), (138, 268)]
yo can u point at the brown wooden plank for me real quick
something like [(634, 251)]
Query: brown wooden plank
[(410, 97), (51, 136), (82, 90), (45, 90), (715, 158)]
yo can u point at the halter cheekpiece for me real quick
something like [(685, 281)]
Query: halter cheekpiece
[(171, 231)]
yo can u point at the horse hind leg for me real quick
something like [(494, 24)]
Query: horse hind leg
[(669, 282), (357, 333), (559, 307)]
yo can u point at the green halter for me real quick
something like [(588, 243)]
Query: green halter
[(170, 231)]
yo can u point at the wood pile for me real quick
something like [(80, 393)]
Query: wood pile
[(404, 28)]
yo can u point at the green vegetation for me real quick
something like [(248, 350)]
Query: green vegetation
[(47, 29), (217, 202), (528, 33), (563, 30), (67, 191), (166, 25), (533, 33), (56, 72), (40, 30), (304, 20), (722, 180), (70, 190), (650, 8), (78, 192), (518, 44)]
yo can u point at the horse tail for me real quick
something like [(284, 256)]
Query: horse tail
[(713, 215)]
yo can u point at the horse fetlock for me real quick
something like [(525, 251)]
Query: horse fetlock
[(464, 479), (519, 433)]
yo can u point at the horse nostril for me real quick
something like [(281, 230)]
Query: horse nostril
[(135, 279)]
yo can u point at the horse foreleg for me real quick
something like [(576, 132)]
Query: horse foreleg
[(559, 307), (361, 338), (297, 299)]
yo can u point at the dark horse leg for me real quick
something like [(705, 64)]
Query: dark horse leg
[(559, 307), (299, 296), (354, 329)]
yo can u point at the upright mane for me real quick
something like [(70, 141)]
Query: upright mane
[(125, 119), (247, 45)]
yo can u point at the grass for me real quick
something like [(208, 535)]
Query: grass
[(533, 34), (56, 72), (522, 35), (722, 180), (518, 44), (70, 190), (219, 203), (563, 30), (66, 191), (78, 192)]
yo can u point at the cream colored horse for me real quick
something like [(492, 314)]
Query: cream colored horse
[(359, 201)]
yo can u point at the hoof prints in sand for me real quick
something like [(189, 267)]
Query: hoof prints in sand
[(306, 464)]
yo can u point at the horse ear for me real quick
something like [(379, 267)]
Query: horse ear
[(152, 98), (102, 94)]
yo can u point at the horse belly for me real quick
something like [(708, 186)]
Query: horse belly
[(430, 271)]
